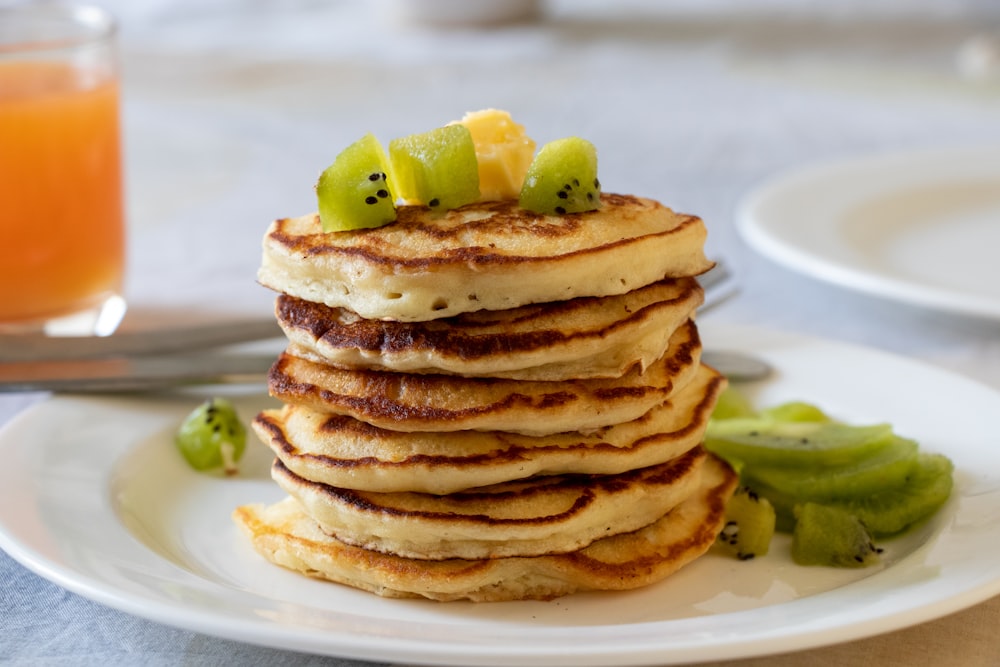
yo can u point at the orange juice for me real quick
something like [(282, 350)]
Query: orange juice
[(61, 204)]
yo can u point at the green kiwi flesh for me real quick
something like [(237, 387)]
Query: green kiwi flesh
[(562, 179), (832, 536), (353, 192), (795, 411), (759, 441), (885, 468), (783, 503), (438, 168), (732, 404), (795, 455), (893, 510), (886, 512), (749, 525)]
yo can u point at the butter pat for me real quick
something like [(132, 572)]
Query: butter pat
[(503, 152)]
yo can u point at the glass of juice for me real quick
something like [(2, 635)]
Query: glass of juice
[(62, 222)]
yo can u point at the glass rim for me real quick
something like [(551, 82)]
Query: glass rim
[(91, 25)]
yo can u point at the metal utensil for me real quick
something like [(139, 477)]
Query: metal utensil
[(165, 358), (718, 284), (20, 348), (141, 373), (737, 366), (147, 373)]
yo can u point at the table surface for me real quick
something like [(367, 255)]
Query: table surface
[(231, 109)]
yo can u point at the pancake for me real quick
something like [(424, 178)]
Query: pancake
[(531, 517), (407, 402), (580, 338), (344, 452), (482, 256), (285, 535)]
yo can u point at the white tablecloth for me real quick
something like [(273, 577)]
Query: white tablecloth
[(232, 108)]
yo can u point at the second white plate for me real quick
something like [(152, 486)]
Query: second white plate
[(921, 228)]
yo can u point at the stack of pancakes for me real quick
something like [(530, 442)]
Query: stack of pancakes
[(490, 404)]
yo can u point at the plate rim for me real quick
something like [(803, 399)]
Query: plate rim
[(757, 233), (417, 652)]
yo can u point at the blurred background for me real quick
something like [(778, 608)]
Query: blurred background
[(233, 107)]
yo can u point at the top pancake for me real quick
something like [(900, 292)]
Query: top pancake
[(483, 256)]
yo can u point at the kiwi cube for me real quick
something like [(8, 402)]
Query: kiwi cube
[(353, 192), (212, 436), (831, 536), (562, 179), (749, 525), (437, 168)]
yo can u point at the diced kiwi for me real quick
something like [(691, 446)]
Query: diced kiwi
[(783, 503), (886, 468), (353, 192), (562, 178), (832, 485), (212, 436), (436, 168), (828, 535), (764, 442), (749, 525), (892, 510)]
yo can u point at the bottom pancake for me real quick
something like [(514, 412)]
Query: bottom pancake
[(285, 535)]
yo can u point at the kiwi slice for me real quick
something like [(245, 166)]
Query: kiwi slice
[(562, 178), (886, 468), (353, 192), (755, 441), (732, 404), (832, 485), (749, 525), (886, 512), (436, 168), (828, 535), (795, 411), (926, 489)]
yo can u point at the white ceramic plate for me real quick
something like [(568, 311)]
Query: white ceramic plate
[(921, 228), (94, 498)]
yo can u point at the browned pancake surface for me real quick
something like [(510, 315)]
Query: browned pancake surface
[(341, 451), (285, 535), (408, 402), (531, 517), (578, 338), (483, 256)]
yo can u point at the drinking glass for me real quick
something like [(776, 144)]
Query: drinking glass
[(62, 222)]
